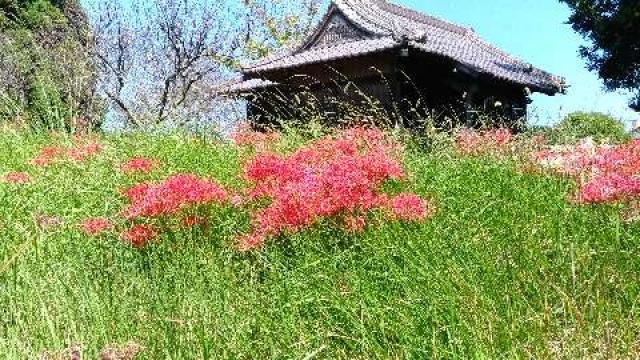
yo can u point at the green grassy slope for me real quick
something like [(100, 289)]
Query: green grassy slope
[(507, 268)]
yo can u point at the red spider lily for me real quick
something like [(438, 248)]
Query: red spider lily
[(139, 165), (609, 188), (137, 193), (17, 178), (408, 207), (245, 136), (568, 160), (78, 153), (48, 155), (171, 196), (96, 226), (139, 235), (82, 152), (470, 142), (329, 177), (604, 173)]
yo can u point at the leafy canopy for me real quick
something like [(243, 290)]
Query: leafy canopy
[(613, 28)]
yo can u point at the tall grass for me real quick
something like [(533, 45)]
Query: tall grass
[(506, 269)]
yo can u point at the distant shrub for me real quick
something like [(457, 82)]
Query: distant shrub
[(580, 125)]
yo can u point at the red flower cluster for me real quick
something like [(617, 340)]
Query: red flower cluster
[(609, 188), (409, 207), (82, 152), (470, 142), (568, 160), (329, 178), (17, 178), (48, 155), (244, 135), (139, 235), (79, 152), (139, 165), (96, 226), (604, 173), (176, 193)]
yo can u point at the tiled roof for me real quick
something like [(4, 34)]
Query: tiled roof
[(328, 53), (391, 25), (238, 86)]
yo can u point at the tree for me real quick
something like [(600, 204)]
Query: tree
[(613, 28), (159, 60), (275, 24), (156, 58)]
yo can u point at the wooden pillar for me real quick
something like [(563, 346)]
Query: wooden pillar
[(470, 103)]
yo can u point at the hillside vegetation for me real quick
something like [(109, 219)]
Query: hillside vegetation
[(47, 75), (504, 264)]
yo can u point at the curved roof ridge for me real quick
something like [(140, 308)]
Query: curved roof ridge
[(492, 49), (336, 51), (354, 7), (420, 17), (496, 51)]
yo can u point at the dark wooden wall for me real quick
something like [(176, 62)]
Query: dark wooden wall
[(400, 88)]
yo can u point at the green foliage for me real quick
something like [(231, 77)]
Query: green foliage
[(46, 65), (533, 130), (507, 269), (41, 14), (273, 25), (612, 28), (580, 125)]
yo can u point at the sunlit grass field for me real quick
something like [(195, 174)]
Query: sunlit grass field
[(506, 268)]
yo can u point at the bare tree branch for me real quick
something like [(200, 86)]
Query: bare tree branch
[(157, 59)]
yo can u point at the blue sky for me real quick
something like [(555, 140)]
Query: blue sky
[(536, 31)]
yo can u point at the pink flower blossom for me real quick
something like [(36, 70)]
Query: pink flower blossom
[(17, 178), (342, 174), (609, 188), (194, 221), (237, 200), (82, 152), (78, 153), (603, 173), (48, 155), (251, 241), (96, 226), (139, 235), (245, 136), (176, 193), (408, 207), (139, 165)]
